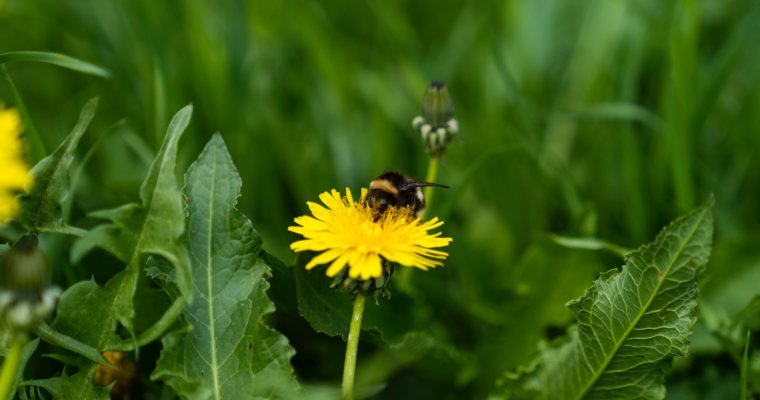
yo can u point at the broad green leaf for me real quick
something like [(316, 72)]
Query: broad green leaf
[(227, 351), (328, 309), (155, 226), (76, 309), (418, 348), (630, 324), (76, 386), (84, 312), (60, 60), (41, 209)]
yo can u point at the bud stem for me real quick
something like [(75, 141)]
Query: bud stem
[(402, 281), (349, 366), (10, 368), (431, 176)]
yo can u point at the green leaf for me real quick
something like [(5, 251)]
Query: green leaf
[(227, 350), (56, 338), (84, 312), (60, 60), (588, 243), (155, 226), (630, 324), (418, 348), (77, 386), (90, 313), (327, 310), (620, 111), (42, 208), (76, 308)]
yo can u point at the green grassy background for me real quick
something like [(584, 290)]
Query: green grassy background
[(597, 119)]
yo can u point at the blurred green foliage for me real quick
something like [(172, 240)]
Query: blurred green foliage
[(592, 119)]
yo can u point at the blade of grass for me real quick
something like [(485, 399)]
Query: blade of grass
[(36, 147), (618, 111), (588, 244), (159, 103), (682, 58), (60, 60), (744, 395)]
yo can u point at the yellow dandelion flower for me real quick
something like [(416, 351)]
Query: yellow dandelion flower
[(346, 234), (14, 173)]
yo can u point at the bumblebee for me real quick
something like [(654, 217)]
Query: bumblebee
[(394, 189)]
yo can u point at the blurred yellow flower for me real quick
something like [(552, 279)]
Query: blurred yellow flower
[(347, 234), (14, 173)]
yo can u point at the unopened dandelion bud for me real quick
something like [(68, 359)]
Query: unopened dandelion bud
[(437, 126), (425, 130), (452, 126), (436, 104), (25, 268), (26, 297), (418, 122)]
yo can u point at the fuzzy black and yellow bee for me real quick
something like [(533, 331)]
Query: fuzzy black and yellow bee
[(394, 189)]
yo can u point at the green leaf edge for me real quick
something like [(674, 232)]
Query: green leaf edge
[(58, 59)]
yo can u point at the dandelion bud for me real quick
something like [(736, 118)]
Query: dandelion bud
[(26, 297), (25, 267), (436, 104), (436, 126)]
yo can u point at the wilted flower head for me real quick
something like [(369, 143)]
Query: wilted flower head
[(348, 235)]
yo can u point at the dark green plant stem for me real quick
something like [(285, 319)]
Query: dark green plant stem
[(432, 174), (349, 366), (743, 380), (48, 334), (36, 146)]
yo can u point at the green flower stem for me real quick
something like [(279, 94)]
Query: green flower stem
[(10, 368), (743, 379), (36, 146), (349, 366), (431, 176), (404, 275)]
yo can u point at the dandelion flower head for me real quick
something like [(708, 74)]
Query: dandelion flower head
[(348, 234), (14, 173)]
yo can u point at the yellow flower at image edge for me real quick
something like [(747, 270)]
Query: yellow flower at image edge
[(346, 234), (14, 173)]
